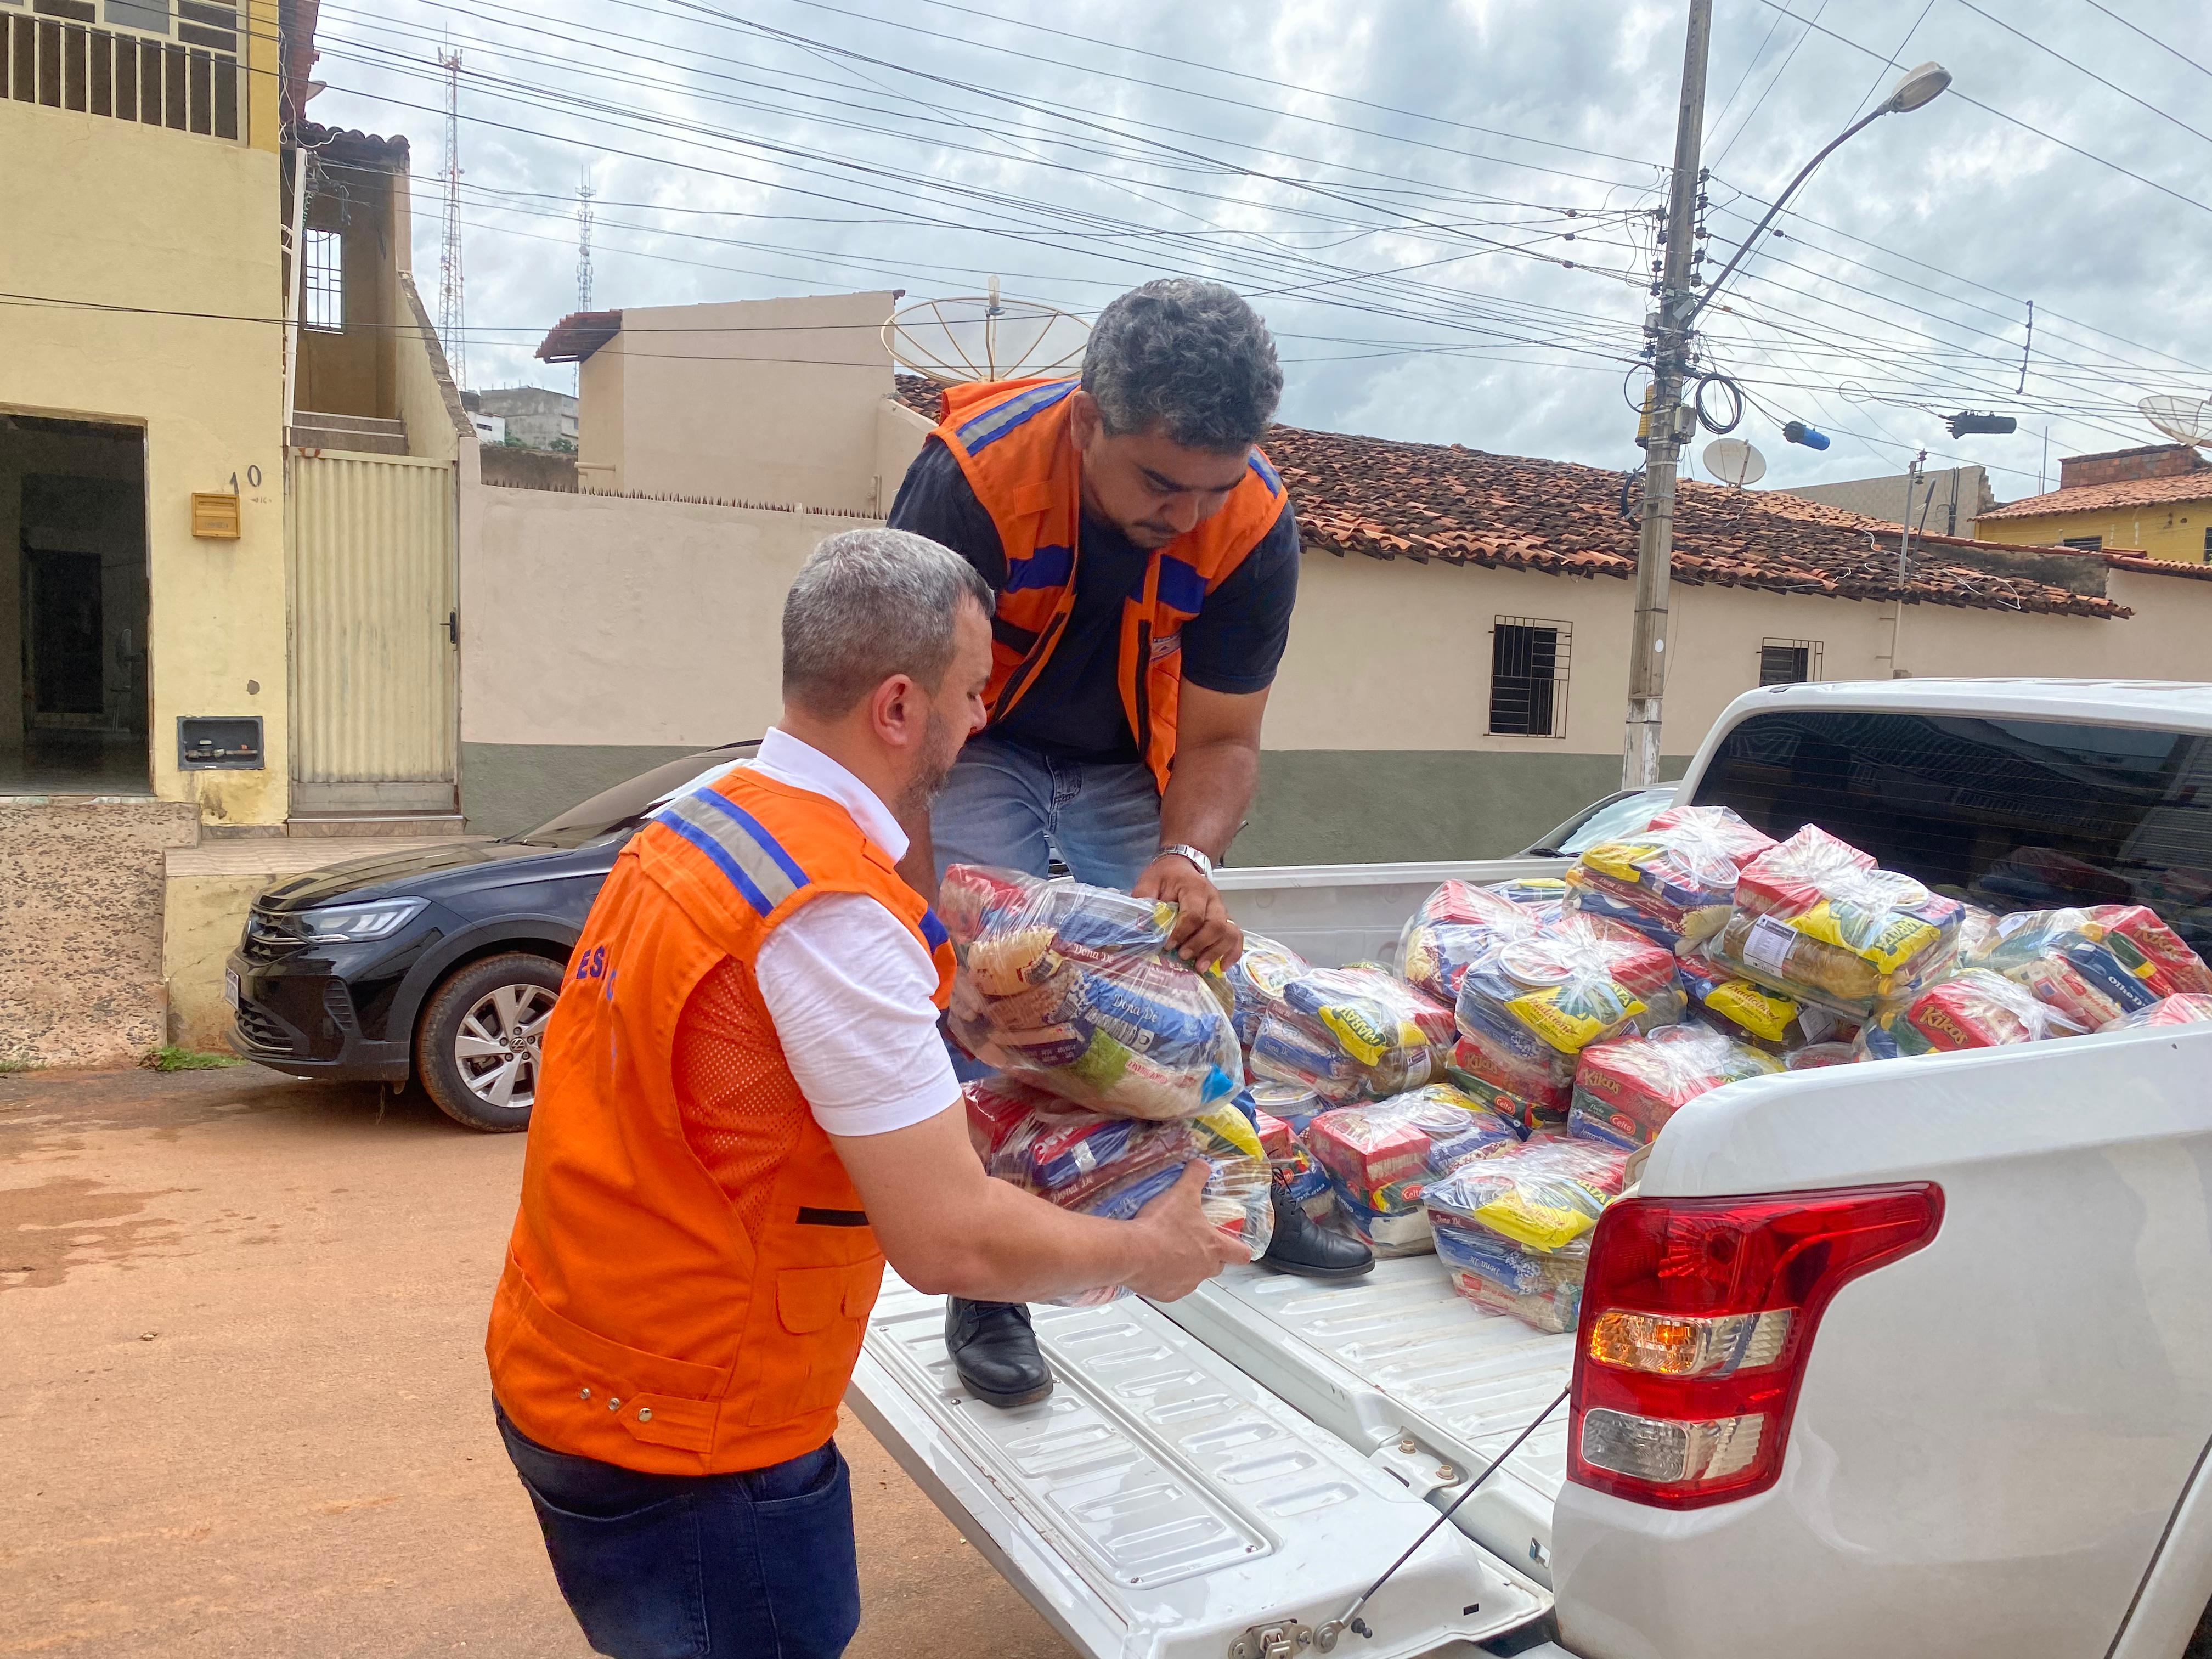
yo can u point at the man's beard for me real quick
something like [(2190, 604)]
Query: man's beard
[(937, 757)]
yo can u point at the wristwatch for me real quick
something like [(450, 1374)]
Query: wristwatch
[(1183, 850)]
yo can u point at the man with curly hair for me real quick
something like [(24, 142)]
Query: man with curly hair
[(1143, 557)]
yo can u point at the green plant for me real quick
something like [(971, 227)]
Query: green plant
[(173, 1057)]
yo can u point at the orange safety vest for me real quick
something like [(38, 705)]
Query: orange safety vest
[(1010, 439), (640, 1321)]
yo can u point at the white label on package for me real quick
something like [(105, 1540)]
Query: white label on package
[(1817, 1024), (1767, 946)]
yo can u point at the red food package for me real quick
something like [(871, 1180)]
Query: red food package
[(2184, 1008), (1275, 1138), (2174, 966), (1795, 876), (997, 1106), (1366, 1155), (1626, 1090)]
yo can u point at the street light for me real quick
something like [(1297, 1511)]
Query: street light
[(1919, 86)]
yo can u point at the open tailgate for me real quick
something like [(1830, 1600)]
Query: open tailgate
[(1161, 1504)]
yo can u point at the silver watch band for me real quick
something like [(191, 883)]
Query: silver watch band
[(1183, 850)]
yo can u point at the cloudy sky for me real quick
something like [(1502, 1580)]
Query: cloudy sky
[(1445, 211)]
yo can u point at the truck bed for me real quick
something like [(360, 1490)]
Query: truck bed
[(1400, 1355)]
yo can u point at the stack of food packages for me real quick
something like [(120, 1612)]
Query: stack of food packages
[(1353, 1034), (1379, 1158), (1513, 1230), (1118, 1062), (1676, 883)]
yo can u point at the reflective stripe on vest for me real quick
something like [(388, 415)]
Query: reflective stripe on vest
[(1012, 443), (644, 1318)]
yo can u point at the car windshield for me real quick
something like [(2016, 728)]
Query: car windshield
[(2010, 814), (1614, 818), (620, 809)]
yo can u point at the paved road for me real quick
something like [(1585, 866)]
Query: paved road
[(242, 1397)]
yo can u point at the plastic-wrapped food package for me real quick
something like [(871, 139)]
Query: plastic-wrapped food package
[(1514, 1228), (1674, 882), (1295, 1103), (1529, 1009), (1546, 895), (2092, 965), (1751, 1013), (1815, 920), (1072, 986), (1626, 1090), (2183, 1008), (1256, 981), (1974, 1008), (1378, 1157), (1113, 1167), (1458, 924), (1354, 1033)]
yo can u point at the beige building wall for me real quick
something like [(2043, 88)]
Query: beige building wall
[(606, 635), (757, 400), (104, 210)]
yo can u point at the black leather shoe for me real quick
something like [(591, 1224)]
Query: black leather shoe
[(1301, 1245), (995, 1351)]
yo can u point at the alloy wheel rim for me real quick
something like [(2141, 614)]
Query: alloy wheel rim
[(496, 1049)]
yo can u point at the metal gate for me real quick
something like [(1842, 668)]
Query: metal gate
[(373, 670)]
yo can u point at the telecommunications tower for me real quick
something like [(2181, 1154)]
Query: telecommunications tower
[(584, 195), (451, 328)]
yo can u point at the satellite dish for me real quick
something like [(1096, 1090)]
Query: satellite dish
[(1735, 462), (2185, 420), (984, 337)]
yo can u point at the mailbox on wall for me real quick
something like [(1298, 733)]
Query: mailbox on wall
[(219, 742)]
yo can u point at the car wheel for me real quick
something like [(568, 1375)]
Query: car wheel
[(476, 1045)]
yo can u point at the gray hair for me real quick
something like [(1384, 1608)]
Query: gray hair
[(865, 605), (1186, 357)]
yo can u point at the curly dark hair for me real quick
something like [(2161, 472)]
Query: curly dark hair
[(1186, 357)]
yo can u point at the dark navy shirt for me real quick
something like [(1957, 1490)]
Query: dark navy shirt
[(1074, 710)]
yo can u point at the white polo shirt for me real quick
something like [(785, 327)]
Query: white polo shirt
[(847, 985)]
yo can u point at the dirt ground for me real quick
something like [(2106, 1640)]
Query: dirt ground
[(243, 1408)]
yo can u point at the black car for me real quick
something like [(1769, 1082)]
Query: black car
[(438, 962)]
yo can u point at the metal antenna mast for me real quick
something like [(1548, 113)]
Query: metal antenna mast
[(584, 194), (451, 328)]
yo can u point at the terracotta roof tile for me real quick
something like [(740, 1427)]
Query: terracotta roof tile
[(2142, 564), (1387, 500), (2091, 498)]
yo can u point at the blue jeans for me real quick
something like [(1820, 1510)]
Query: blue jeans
[(699, 1566), (1012, 808)]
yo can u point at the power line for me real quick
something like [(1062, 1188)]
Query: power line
[(1780, 71), (2080, 69), (2163, 46), (2012, 120)]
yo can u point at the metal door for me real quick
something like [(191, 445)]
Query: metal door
[(373, 657)]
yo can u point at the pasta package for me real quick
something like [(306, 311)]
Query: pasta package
[(1456, 926), (1073, 987), (1974, 1008), (1256, 979), (1527, 1011), (1354, 1033), (1816, 920), (1514, 1229), (1675, 881), (1626, 1090), (2092, 965)]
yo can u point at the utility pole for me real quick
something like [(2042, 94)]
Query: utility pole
[(450, 327), (1654, 548)]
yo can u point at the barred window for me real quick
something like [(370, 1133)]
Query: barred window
[(1789, 662), (2084, 543), (325, 288), (1529, 678)]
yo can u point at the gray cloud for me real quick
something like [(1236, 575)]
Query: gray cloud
[(1917, 245)]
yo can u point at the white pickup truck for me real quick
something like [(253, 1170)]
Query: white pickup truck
[(1980, 1427)]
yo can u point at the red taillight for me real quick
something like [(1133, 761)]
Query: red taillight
[(1697, 1315)]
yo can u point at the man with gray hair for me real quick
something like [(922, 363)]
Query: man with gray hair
[(1143, 557), (743, 1109)]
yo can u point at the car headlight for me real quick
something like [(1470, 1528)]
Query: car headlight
[(349, 924)]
